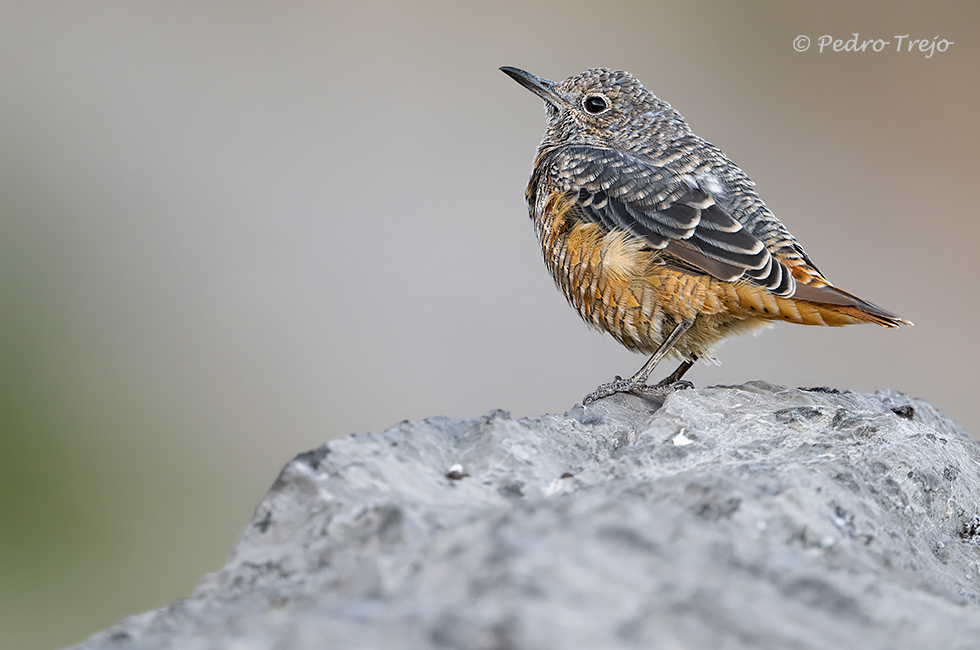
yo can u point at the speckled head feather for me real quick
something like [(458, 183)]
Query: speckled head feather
[(602, 107)]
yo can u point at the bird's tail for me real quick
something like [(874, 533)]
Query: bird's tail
[(831, 299), (809, 305)]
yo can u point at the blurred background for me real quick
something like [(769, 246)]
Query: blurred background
[(232, 231)]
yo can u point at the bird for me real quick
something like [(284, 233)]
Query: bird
[(656, 237)]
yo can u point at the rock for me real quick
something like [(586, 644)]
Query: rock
[(751, 516)]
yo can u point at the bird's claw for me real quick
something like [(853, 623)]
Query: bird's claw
[(620, 385)]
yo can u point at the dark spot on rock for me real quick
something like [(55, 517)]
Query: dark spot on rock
[(821, 389), (910, 474), (717, 509), (843, 420), (119, 637), (890, 486), (279, 602), (847, 479), (823, 595), (628, 537), (264, 523), (865, 431), (511, 490), (456, 475), (314, 457), (496, 414), (906, 411), (567, 475), (257, 570), (391, 525), (797, 414), (844, 520), (710, 503), (950, 473), (970, 529)]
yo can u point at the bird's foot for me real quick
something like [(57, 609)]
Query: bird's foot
[(620, 385)]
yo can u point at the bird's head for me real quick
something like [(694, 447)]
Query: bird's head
[(600, 107)]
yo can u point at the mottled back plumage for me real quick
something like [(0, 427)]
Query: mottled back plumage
[(619, 171)]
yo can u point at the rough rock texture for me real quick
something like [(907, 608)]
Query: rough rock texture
[(729, 517)]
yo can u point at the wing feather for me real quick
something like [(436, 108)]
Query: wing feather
[(670, 211)]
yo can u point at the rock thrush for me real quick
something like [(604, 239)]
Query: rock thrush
[(656, 237)]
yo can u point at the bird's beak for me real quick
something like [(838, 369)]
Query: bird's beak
[(543, 88)]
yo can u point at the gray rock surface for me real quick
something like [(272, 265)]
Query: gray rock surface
[(752, 516)]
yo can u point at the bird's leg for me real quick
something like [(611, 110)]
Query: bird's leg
[(643, 373), (675, 377), (637, 383)]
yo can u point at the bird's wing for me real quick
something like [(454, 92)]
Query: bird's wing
[(670, 211)]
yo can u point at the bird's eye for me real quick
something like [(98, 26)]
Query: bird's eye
[(595, 104)]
